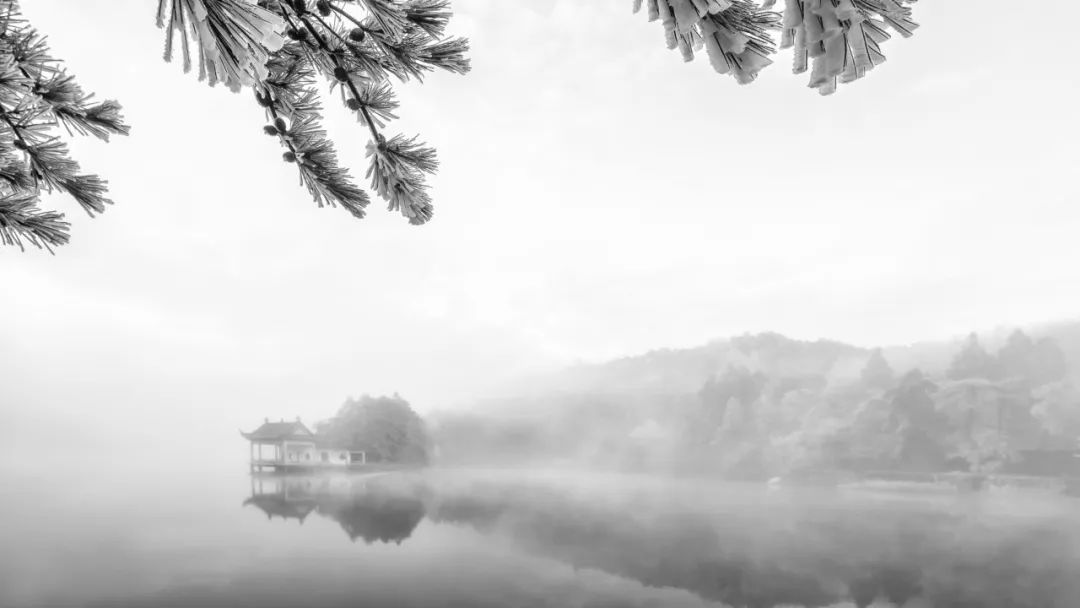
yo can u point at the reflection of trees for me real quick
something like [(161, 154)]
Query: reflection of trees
[(375, 516), (384, 508), (769, 554), (754, 550)]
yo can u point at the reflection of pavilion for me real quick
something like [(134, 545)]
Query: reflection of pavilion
[(276, 505), (385, 508), (284, 497)]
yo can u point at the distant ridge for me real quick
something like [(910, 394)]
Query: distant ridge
[(684, 370)]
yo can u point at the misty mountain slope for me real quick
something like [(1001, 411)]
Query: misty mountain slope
[(1067, 335), (669, 370), (766, 403)]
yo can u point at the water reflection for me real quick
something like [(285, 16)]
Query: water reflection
[(739, 546), (372, 508)]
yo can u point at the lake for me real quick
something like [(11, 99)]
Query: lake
[(473, 538)]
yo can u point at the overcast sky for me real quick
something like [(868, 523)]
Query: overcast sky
[(598, 197)]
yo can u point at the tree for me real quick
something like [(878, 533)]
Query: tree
[(738, 419), (838, 41), (1048, 362), (383, 510), (917, 422), (868, 440), (37, 96), (803, 429), (972, 361), (877, 373), (1037, 363), (279, 48), (899, 429), (276, 48), (386, 428), (735, 385), (1057, 409), (1015, 358), (978, 412)]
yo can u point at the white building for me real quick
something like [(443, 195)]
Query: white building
[(283, 446)]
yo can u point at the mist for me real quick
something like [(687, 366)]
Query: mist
[(667, 340)]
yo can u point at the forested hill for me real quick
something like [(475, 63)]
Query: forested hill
[(679, 370), (1067, 336), (765, 403)]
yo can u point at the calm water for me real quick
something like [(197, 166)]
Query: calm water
[(538, 539)]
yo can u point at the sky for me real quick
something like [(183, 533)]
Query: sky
[(597, 198)]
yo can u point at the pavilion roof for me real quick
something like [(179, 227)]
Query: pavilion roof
[(277, 505), (276, 431)]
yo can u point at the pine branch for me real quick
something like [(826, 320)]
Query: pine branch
[(840, 41), (839, 38), (36, 97), (733, 32), (356, 45), (14, 175), (447, 55), (356, 49), (72, 108), (377, 99), (235, 38), (397, 174), (52, 169), (390, 16), (431, 16), (332, 51), (20, 220), (293, 107), (409, 153)]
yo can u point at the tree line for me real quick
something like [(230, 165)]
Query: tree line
[(778, 406)]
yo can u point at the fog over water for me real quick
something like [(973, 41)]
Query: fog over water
[(543, 538), (665, 335)]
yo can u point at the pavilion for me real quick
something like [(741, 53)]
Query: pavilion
[(291, 446)]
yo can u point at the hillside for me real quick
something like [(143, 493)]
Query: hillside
[(668, 370), (781, 402)]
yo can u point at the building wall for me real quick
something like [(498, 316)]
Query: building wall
[(303, 453), (307, 454), (333, 457), (300, 453)]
